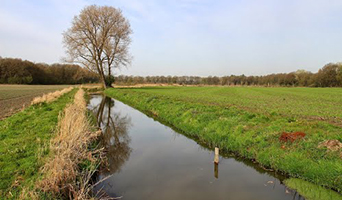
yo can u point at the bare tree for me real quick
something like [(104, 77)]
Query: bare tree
[(99, 39)]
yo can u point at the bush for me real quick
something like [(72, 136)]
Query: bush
[(109, 80)]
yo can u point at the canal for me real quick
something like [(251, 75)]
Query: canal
[(148, 160)]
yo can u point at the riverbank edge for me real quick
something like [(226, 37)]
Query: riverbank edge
[(25, 137), (76, 155), (44, 183), (171, 112)]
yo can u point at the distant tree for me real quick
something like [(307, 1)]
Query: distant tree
[(99, 40), (303, 77), (339, 74), (15, 71), (290, 79), (327, 76), (225, 80)]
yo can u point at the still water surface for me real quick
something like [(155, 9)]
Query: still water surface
[(148, 160)]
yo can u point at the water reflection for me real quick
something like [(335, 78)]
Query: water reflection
[(215, 170), (114, 136)]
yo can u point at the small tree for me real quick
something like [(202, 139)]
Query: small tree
[(99, 39)]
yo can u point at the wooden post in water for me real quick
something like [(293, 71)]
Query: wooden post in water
[(216, 159)]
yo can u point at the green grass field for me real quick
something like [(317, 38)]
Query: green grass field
[(250, 120), (24, 142), (310, 103)]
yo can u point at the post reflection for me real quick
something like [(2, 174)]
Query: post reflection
[(216, 170), (114, 136)]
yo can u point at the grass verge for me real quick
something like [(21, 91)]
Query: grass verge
[(253, 135), (24, 139)]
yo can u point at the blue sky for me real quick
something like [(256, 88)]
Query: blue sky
[(190, 37)]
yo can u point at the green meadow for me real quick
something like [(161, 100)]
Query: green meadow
[(250, 120)]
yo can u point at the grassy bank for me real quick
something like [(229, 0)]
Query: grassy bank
[(24, 139), (249, 121)]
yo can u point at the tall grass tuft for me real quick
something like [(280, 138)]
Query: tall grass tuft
[(52, 96), (63, 174)]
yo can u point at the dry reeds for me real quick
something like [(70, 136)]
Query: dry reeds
[(62, 175), (28, 194), (52, 96), (92, 86)]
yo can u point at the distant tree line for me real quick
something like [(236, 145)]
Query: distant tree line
[(17, 71), (329, 76)]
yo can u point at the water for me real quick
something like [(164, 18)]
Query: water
[(148, 160)]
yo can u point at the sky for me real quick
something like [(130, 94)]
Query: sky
[(189, 37)]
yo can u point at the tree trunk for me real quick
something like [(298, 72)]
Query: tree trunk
[(103, 81), (109, 75)]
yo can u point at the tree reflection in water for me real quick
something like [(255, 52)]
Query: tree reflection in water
[(114, 136)]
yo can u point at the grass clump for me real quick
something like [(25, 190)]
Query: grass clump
[(24, 139), (253, 129)]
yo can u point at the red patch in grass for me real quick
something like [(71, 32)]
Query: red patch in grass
[(291, 137)]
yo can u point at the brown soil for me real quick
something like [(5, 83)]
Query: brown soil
[(291, 137), (14, 98)]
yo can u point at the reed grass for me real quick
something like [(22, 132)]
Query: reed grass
[(50, 97), (63, 175)]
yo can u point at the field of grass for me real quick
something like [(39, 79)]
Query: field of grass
[(250, 120), (310, 103), (15, 97), (24, 139)]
